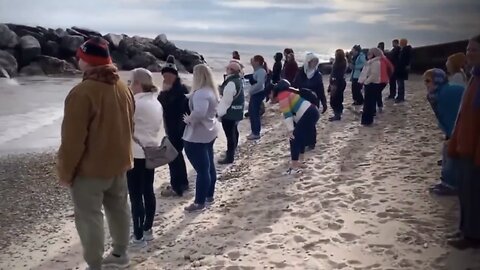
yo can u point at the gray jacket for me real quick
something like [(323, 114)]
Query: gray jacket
[(260, 76), (202, 122)]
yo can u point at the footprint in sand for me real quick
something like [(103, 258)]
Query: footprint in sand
[(234, 255), (335, 226), (348, 236), (299, 239)]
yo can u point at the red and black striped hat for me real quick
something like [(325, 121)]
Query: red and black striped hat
[(95, 52)]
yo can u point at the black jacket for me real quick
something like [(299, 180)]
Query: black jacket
[(277, 72), (404, 59), (315, 84), (175, 105)]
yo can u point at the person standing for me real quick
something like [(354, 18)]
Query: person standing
[(374, 77), (301, 117), (277, 68), (200, 134), (358, 61), (455, 64), (96, 153), (381, 46), (290, 68), (445, 99), (309, 77), (236, 55), (149, 131), (230, 109), (393, 56), (337, 85), (175, 105), (257, 95), (403, 68), (464, 149)]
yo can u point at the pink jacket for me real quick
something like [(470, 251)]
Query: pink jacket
[(377, 70)]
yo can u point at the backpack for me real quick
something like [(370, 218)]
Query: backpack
[(306, 94)]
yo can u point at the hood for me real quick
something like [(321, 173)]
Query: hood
[(106, 74), (310, 71)]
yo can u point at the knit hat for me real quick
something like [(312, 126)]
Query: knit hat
[(95, 52), (170, 66), (281, 86), (439, 77)]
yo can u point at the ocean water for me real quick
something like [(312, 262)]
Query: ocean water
[(31, 108)]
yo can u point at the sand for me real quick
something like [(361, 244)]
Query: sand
[(361, 204)]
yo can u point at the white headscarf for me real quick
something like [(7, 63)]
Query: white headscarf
[(310, 72)]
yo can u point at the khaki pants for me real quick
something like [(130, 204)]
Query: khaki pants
[(89, 194)]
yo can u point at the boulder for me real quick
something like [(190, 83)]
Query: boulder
[(34, 69), (140, 60), (434, 56), (188, 58), (8, 63), (134, 45), (113, 40), (51, 65), (87, 32), (51, 35), (72, 60), (69, 45), (162, 42), (61, 32), (76, 33), (17, 28), (40, 37), (51, 48), (119, 59), (8, 38), (29, 49)]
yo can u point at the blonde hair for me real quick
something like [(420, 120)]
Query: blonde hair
[(456, 62), (145, 78), (203, 78), (403, 42)]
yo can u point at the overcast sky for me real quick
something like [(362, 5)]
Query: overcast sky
[(311, 23)]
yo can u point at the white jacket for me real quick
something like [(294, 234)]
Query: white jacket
[(371, 72), (148, 121), (228, 95)]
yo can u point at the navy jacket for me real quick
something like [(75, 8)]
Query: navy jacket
[(315, 84)]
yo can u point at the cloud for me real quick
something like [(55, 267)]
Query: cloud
[(264, 4)]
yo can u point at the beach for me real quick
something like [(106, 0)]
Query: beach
[(361, 204)]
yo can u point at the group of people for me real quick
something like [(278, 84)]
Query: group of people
[(107, 123), (455, 100)]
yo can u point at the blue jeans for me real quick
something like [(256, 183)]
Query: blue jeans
[(254, 112), (302, 132), (401, 89), (201, 158), (448, 171)]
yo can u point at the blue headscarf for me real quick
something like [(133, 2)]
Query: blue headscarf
[(439, 78)]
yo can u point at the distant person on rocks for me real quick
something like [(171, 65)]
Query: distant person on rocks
[(358, 61), (393, 56), (456, 74), (230, 109), (290, 68), (338, 85), (148, 131), (403, 68), (96, 153), (236, 55), (257, 95), (301, 117), (445, 99), (175, 105), (200, 134), (464, 149), (375, 76), (277, 68), (309, 77)]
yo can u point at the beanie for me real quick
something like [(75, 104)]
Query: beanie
[(439, 77), (281, 86), (170, 66), (95, 52)]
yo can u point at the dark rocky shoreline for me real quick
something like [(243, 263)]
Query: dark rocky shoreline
[(26, 50), (30, 195)]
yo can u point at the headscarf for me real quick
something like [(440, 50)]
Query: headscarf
[(310, 72)]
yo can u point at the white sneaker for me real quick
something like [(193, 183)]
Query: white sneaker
[(122, 261), (137, 244), (148, 235)]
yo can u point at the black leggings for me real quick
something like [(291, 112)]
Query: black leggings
[(140, 189), (231, 132), (336, 98)]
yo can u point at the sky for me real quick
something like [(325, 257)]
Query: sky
[(319, 24)]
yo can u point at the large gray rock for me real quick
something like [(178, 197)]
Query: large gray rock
[(51, 48), (61, 32), (119, 59), (51, 65), (69, 45), (8, 63), (8, 38), (113, 40), (189, 58), (87, 32), (29, 49), (156, 67), (34, 69), (167, 46), (140, 60), (73, 32), (134, 45)]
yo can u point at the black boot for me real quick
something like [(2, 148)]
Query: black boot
[(228, 159), (336, 117)]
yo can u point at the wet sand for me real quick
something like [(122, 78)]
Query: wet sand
[(361, 204)]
